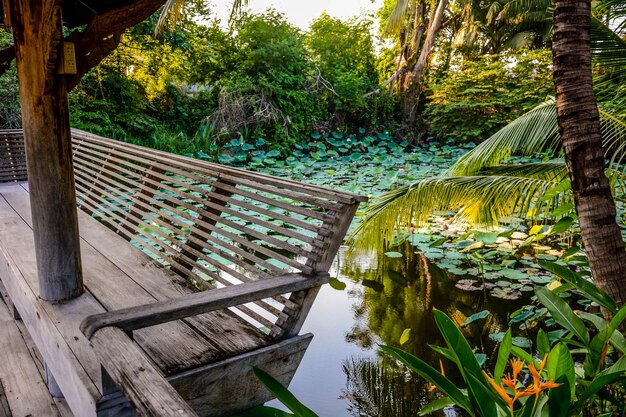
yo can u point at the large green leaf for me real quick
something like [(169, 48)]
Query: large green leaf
[(562, 313), (264, 411), (587, 288), (560, 364), (433, 376), (438, 404), (503, 356), (617, 339), (599, 341), (283, 394), (468, 365), (596, 385)]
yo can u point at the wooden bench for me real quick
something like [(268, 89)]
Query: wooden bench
[(156, 229)]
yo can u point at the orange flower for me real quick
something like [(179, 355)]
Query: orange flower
[(510, 381), (443, 372), (501, 392)]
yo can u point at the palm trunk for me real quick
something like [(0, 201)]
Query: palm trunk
[(579, 127)]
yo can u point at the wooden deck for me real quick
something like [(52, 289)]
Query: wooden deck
[(116, 276), (23, 391), (156, 230)]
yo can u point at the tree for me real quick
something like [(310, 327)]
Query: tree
[(580, 132)]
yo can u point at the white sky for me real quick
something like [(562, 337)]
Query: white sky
[(302, 12)]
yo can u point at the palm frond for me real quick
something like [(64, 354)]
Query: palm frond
[(533, 132), (608, 48), (173, 9), (537, 131), (483, 200), (170, 13), (397, 16)]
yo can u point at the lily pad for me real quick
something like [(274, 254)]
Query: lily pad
[(513, 274), (475, 317), (468, 285), (393, 254)]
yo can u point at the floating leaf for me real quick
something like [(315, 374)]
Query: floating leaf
[(513, 274), (336, 284), (475, 317), (406, 335), (393, 254)]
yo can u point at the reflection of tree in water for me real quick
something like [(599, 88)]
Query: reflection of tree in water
[(376, 390), (402, 293)]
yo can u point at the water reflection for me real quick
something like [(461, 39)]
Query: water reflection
[(377, 389), (344, 373)]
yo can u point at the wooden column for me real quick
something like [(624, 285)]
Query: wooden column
[(37, 31)]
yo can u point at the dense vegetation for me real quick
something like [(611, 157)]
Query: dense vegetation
[(193, 87), (370, 112)]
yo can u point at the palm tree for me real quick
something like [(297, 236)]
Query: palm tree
[(581, 135), (484, 192)]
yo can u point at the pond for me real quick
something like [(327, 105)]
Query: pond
[(344, 373)]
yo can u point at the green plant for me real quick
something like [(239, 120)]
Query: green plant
[(482, 395), (475, 100), (282, 394)]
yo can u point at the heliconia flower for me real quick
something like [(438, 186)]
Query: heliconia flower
[(443, 372), (501, 392), (510, 381)]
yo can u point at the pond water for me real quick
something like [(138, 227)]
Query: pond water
[(343, 372)]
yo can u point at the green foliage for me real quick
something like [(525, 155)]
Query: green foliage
[(481, 96), (343, 53), (282, 394), (10, 117)]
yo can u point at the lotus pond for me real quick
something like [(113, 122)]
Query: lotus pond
[(484, 280)]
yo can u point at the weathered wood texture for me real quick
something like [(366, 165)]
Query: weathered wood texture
[(203, 225), (215, 225), (217, 389), (12, 156), (146, 388), (37, 31), (22, 390), (147, 315)]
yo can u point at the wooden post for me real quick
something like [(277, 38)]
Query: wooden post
[(38, 33)]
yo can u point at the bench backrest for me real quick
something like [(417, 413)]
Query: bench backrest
[(216, 225), (12, 156)]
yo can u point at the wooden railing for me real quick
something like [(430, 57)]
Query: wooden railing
[(12, 156), (216, 225)]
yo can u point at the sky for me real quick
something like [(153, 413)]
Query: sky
[(302, 12)]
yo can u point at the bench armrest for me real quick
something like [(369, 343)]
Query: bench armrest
[(147, 315)]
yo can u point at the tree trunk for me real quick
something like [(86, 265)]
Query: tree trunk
[(579, 127), (37, 31), (433, 29)]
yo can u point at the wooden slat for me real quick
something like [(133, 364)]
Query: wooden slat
[(174, 346), (226, 222), (341, 196), (122, 156), (162, 312), (216, 207), (25, 392), (135, 375)]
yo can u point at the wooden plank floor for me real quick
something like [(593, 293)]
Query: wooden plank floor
[(23, 392), (116, 275), (132, 279)]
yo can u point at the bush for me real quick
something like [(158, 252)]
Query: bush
[(481, 96)]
